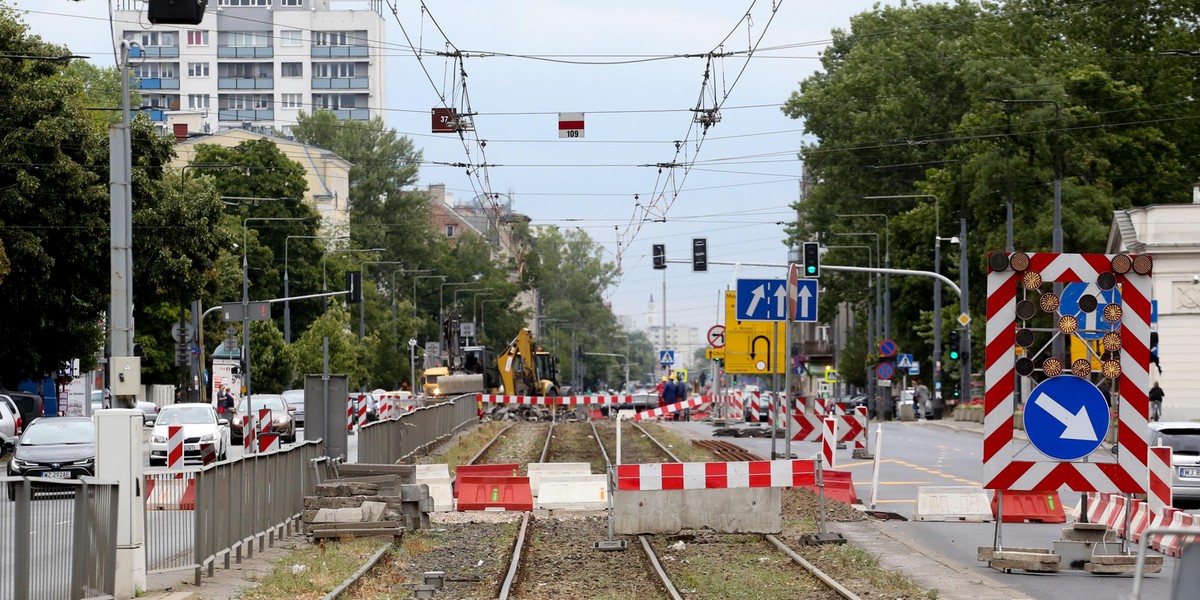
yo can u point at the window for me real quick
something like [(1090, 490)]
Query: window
[(198, 101), (197, 38), (246, 101), (153, 71), (339, 38), (198, 69), (150, 39), (248, 39), (333, 101), (291, 69), (244, 2), (333, 70), (290, 37), (291, 3), (449, 230), (292, 100)]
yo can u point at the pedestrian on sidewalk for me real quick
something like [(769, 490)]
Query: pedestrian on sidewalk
[(1156, 400), (921, 397)]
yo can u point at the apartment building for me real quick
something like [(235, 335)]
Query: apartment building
[(256, 64)]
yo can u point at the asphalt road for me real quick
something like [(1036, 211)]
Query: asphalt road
[(916, 454)]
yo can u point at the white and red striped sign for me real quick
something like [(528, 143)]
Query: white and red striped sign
[(1003, 470), (808, 428), (714, 475), (570, 125), (351, 403), (556, 400), (268, 442), (175, 446), (1158, 488), (249, 432), (829, 441)]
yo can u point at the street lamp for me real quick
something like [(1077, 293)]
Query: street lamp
[(887, 263), (246, 291), (874, 317), (325, 274), (287, 304), (393, 288), (362, 305), (483, 310), (476, 297), (416, 280)]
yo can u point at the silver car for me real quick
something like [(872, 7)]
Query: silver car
[(8, 419), (200, 426), (1184, 439)]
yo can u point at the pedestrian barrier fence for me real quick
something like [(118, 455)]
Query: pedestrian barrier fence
[(199, 515), (554, 400), (64, 545), (389, 440), (663, 411)]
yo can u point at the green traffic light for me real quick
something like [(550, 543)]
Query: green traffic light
[(954, 355), (810, 269)]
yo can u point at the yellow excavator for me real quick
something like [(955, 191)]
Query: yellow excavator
[(526, 370)]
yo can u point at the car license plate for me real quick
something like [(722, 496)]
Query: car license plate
[(1191, 472), (57, 474), (191, 447)]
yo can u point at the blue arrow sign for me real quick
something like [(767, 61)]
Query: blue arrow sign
[(1066, 417), (1091, 325), (806, 301), (762, 300), (666, 357)]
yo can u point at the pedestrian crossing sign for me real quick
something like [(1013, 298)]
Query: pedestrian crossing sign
[(904, 361), (666, 357)]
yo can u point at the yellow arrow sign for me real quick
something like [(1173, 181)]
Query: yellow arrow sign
[(749, 344)]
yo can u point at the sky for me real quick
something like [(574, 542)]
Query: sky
[(636, 69)]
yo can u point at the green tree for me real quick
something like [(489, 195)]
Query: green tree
[(271, 365), (345, 353)]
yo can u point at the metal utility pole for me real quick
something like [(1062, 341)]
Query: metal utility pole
[(121, 228)]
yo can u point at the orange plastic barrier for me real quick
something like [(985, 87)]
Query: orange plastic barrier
[(496, 470), (481, 493), (1040, 507), (839, 485)]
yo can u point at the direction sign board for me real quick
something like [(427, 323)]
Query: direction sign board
[(254, 311), (884, 370), (1066, 417), (761, 299), (666, 357), (887, 348), (915, 368), (716, 336), (752, 347), (806, 301), (1091, 325)]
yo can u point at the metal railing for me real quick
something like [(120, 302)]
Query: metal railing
[(49, 529), (391, 440), (199, 515)]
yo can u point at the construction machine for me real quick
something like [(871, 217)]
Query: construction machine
[(526, 370), (467, 369)]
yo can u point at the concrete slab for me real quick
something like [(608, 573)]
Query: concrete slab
[(441, 489), (539, 470), (746, 510), (434, 471), (573, 492), (952, 503)]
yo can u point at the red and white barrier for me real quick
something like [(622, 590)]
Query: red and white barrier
[(363, 402), (663, 411), (860, 441), (755, 400), (528, 400), (829, 441), (175, 446), (351, 403), (593, 399), (268, 442), (1140, 521), (1160, 472), (714, 475), (249, 432), (808, 428)]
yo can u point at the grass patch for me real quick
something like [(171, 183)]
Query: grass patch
[(459, 449), (737, 567), (314, 571), (847, 564), (679, 446)]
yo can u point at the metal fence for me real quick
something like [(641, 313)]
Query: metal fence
[(199, 515), (58, 539), (385, 442)]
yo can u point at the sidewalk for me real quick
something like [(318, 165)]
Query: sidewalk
[(225, 584)]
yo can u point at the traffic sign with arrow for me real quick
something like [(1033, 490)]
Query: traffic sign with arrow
[(1066, 417)]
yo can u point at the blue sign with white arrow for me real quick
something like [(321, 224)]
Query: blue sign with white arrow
[(1091, 324), (762, 300), (1066, 417)]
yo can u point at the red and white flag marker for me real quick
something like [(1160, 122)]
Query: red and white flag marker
[(175, 446)]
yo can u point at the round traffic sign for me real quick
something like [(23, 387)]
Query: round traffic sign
[(716, 336), (412, 342), (1066, 417), (885, 370), (887, 348)]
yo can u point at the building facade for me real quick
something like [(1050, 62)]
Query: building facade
[(1168, 233), (256, 64)]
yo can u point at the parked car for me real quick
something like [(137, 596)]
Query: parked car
[(10, 419), (295, 401), (281, 417), (29, 404), (1184, 439), (150, 410), (200, 426), (59, 448)]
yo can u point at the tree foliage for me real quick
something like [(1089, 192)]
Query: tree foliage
[(972, 106)]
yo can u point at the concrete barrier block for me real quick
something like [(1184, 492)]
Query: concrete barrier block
[(539, 470), (436, 471), (953, 503), (573, 492), (441, 490), (741, 510)]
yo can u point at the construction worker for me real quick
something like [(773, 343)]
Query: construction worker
[(660, 387)]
